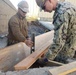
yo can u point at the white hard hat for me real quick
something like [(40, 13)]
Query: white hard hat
[(23, 5)]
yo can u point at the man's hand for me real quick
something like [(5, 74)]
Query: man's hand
[(29, 42)]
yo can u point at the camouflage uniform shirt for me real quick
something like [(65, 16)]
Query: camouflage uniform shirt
[(64, 41)]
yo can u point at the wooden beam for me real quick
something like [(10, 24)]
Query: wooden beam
[(28, 61), (42, 39), (64, 70), (11, 55), (54, 63)]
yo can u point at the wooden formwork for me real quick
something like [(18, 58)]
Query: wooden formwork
[(12, 55)]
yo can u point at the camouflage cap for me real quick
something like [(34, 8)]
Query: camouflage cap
[(40, 3), (23, 5)]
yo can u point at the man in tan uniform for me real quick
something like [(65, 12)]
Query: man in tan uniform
[(64, 21), (17, 26)]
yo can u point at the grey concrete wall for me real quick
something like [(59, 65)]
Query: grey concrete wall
[(6, 11)]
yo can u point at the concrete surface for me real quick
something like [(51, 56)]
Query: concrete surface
[(3, 42), (34, 71)]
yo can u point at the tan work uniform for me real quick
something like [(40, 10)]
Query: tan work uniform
[(17, 28)]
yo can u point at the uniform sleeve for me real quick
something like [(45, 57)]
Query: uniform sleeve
[(26, 28), (14, 25), (61, 25)]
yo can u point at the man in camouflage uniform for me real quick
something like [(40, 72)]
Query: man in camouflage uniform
[(64, 20), (17, 26)]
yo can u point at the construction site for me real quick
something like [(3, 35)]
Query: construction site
[(19, 59)]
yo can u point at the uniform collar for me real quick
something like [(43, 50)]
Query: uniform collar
[(58, 5), (19, 15)]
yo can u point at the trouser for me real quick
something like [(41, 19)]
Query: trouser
[(61, 59)]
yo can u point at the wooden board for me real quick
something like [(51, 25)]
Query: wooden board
[(64, 70), (11, 55), (28, 61), (54, 63)]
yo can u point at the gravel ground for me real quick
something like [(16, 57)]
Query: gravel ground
[(34, 71)]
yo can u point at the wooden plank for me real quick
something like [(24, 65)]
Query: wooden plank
[(64, 70), (28, 61), (68, 72), (42, 39), (11, 55), (54, 63), (42, 45)]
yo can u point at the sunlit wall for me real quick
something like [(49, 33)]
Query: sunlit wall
[(33, 8)]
